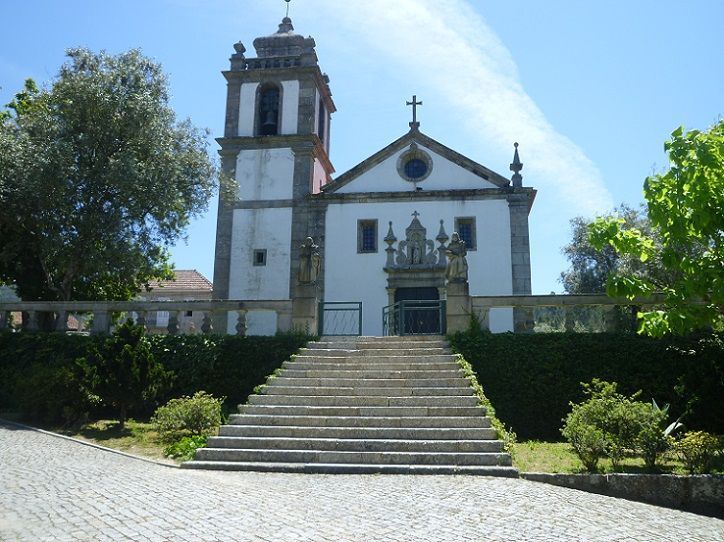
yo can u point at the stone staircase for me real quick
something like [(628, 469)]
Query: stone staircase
[(362, 405)]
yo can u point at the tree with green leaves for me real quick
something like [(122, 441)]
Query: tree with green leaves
[(97, 180), (122, 371), (590, 267), (686, 207)]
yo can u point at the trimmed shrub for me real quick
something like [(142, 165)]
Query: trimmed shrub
[(39, 376), (199, 415), (532, 378)]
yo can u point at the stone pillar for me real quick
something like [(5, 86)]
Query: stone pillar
[(224, 229), (61, 321), (101, 322), (305, 309), (458, 307), (518, 205)]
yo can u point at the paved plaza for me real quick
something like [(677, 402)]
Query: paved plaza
[(58, 490)]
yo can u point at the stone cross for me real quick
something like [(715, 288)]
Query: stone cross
[(414, 103)]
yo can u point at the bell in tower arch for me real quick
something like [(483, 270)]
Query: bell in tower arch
[(269, 111), (269, 127)]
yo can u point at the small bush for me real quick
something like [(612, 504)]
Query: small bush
[(185, 448), (609, 424), (698, 450), (651, 440), (199, 415)]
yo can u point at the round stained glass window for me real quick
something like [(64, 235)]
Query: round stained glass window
[(415, 168)]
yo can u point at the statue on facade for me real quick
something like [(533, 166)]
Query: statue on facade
[(457, 266), (310, 262)]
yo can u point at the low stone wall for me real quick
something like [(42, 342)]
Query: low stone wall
[(702, 494)]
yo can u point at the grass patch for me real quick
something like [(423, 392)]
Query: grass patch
[(536, 456), (137, 438)]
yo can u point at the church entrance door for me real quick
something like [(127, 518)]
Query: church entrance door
[(417, 311)]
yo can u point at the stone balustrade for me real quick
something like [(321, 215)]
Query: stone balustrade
[(570, 312), (219, 314)]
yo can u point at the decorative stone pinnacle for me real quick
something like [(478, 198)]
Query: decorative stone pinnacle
[(442, 235), (390, 237), (239, 48), (415, 214), (516, 167), (285, 27)]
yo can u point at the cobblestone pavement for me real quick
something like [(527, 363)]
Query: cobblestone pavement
[(55, 489)]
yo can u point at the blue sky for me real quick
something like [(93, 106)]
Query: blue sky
[(589, 90)]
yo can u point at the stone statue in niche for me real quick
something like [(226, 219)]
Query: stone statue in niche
[(309, 262), (416, 249), (457, 266)]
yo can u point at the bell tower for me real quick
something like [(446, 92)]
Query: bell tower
[(276, 147)]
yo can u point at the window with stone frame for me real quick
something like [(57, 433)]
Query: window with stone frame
[(465, 226), (367, 236), (259, 257)]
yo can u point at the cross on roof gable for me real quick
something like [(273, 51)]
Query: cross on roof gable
[(417, 137)]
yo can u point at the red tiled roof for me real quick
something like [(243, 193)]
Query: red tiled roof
[(186, 280)]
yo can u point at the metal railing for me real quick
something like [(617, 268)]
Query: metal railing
[(340, 318), (418, 317), (98, 316)]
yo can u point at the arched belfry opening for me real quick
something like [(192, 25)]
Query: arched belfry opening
[(268, 110)]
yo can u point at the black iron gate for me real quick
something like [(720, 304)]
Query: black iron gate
[(414, 317), (340, 318)]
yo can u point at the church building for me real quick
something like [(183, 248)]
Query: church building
[(398, 229)]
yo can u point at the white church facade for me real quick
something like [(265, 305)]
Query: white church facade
[(381, 233)]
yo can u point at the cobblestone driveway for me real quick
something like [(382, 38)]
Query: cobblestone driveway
[(54, 489)]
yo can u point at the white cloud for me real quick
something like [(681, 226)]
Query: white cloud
[(460, 55)]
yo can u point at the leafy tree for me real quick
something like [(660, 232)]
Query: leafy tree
[(591, 267), (122, 371), (686, 206), (97, 180)]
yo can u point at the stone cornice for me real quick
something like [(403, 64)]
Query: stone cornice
[(231, 146), (507, 193)]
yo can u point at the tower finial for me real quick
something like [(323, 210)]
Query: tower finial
[(516, 167), (287, 1)]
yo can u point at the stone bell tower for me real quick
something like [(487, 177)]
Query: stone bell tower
[(275, 145)]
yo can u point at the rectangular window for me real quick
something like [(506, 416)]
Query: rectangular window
[(465, 226), (366, 236), (260, 257)]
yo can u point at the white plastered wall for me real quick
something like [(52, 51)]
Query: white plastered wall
[(259, 229), (445, 175), (350, 276), (265, 174), (247, 108), (290, 107)]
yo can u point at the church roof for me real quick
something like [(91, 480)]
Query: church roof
[(185, 280), (415, 136)]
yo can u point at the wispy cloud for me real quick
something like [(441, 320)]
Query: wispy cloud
[(461, 56)]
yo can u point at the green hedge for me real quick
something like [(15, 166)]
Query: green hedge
[(38, 376), (531, 378)]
